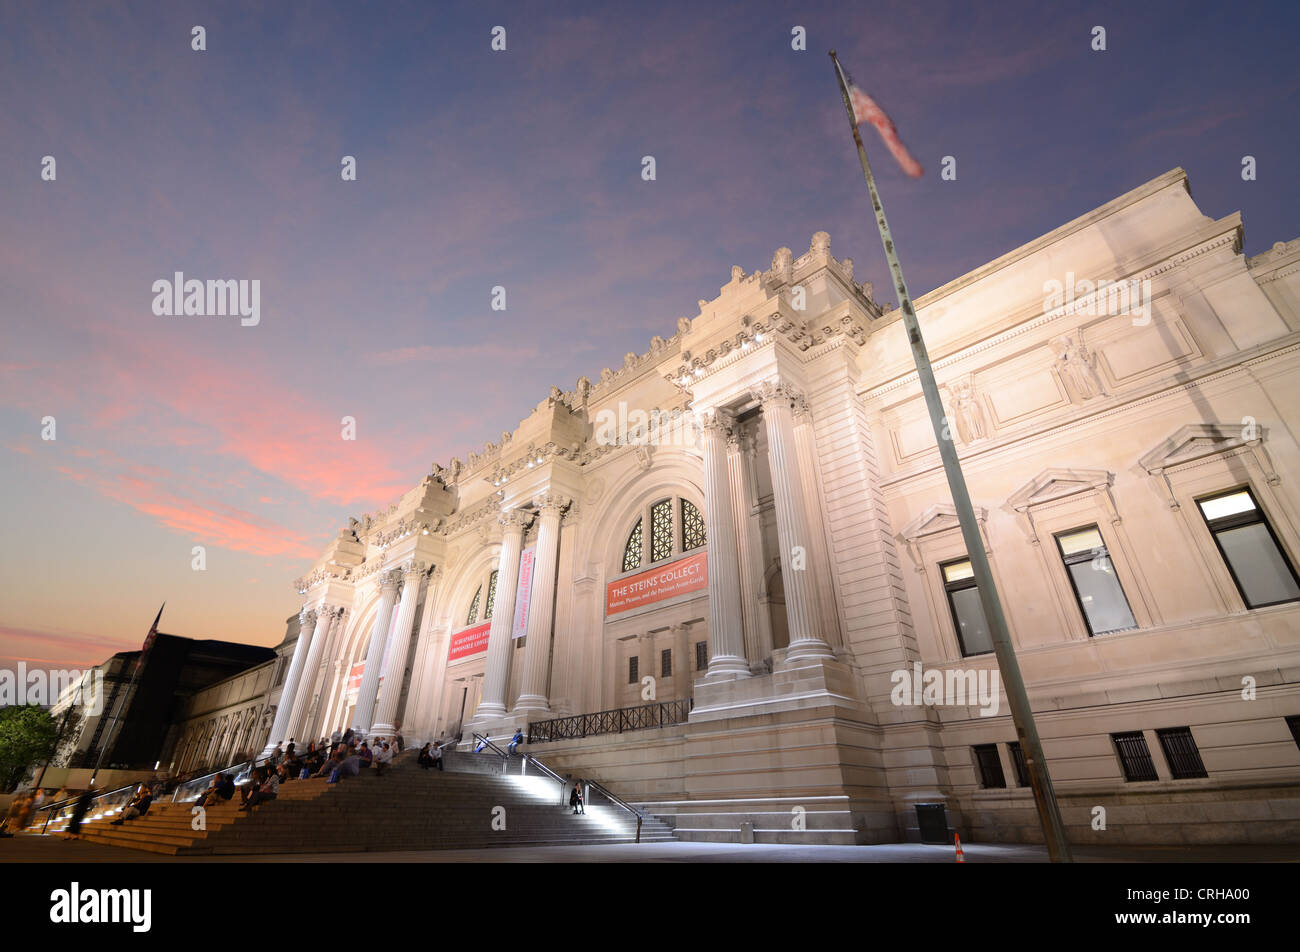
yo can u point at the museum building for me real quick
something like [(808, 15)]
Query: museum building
[(711, 577)]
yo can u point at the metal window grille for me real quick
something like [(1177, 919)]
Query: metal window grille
[(1134, 756), (701, 655), (633, 669), (1022, 768), (1180, 753), (692, 527), (666, 663), (632, 551), (491, 596), (661, 530), (990, 766), (473, 607)]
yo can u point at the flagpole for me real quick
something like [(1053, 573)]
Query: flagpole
[(1049, 814)]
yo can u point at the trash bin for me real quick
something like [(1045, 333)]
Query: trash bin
[(932, 818)]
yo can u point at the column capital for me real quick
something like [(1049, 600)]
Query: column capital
[(306, 619), (775, 393), (719, 423), (550, 503), (413, 569), (515, 520), (390, 580)]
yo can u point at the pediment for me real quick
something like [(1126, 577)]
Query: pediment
[(1199, 440), (939, 518), (1055, 483)]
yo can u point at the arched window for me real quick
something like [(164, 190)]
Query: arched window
[(692, 526), (667, 536), (491, 585), (473, 607), (632, 551)]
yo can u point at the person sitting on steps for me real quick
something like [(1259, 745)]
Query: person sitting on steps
[(138, 806)]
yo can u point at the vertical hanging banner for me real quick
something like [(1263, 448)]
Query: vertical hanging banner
[(526, 559)]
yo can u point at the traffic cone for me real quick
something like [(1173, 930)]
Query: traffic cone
[(961, 857)]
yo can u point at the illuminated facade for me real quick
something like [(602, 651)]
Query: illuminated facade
[(752, 515)]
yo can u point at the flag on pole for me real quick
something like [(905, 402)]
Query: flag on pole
[(866, 109)]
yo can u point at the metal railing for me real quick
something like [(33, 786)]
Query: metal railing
[(617, 721), (483, 743), (102, 804), (618, 802)]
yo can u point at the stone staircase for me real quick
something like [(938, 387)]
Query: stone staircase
[(470, 805)]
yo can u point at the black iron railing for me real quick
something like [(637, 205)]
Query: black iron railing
[(617, 721)]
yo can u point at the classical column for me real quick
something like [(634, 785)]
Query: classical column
[(289, 693), (426, 667), (791, 523), (497, 666), (825, 617), (365, 709), (325, 617), (541, 611), (726, 633), (398, 646), (740, 445)]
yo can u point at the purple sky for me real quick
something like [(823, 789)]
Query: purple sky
[(478, 169)]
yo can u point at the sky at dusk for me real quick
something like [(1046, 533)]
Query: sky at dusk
[(476, 169)]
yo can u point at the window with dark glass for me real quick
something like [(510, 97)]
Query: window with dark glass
[(967, 613), (491, 596), (1134, 757), (692, 527), (1293, 722), (666, 663), (1022, 768), (990, 766), (1249, 547), (632, 551), (701, 655), (1096, 586), (473, 607), (633, 669), (1181, 754)]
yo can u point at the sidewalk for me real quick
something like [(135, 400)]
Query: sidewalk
[(36, 849)]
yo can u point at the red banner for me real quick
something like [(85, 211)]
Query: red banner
[(470, 641), (690, 574)]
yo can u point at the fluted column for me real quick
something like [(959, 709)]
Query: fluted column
[(365, 710), (791, 522), (541, 612), (399, 645), (325, 617), (426, 667), (289, 693), (726, 633), (497, 667)]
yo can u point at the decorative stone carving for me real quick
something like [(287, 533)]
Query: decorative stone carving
[(783, 265), (737, 273), (821, 244), (968, 411), (1076, 367)]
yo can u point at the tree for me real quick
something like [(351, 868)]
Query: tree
[(27, 737)]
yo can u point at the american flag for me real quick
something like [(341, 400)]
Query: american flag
[(866, 109)]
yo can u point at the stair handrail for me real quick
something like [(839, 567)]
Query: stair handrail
[(540, 765), (243, 767), (618, 802), (49, 809), (489, 744)]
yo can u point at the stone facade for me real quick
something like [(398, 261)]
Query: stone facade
[(765, 483)]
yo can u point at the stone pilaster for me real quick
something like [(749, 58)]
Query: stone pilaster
[(497, 667), (726, 634), (389, 583), (541, 613), (399, 645), (288, 694), (806, 642)]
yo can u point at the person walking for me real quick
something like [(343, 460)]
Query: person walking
[(575, 799), (79, 810)]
